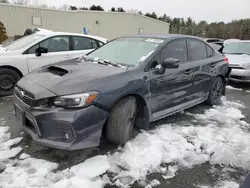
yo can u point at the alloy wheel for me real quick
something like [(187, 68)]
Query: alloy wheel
[(217, 90), (7, 81)]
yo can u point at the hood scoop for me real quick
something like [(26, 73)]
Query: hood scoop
[(57, 71)]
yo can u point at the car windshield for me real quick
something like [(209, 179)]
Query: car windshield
[(23, 42), (237, 48), (127, 51)]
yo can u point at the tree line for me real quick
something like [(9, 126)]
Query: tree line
[(235, 29)]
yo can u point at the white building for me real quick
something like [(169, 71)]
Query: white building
[(105, 24)]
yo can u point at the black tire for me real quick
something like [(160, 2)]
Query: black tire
[(216, 92), (121, 121), (8, 80)]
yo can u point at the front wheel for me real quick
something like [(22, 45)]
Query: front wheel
[(121, 121), (216, 92), (8, 80)]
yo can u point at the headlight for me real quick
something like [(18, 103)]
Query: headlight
[(76, 100)]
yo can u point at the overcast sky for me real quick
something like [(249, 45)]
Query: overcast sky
[(210, 10)]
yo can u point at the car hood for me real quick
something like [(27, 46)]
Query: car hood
[(238, 59), (72, 76)]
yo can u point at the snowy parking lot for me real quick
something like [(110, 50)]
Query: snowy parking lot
[(201, 147)]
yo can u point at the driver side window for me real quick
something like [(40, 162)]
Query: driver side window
[(53, 44), (175, 49)]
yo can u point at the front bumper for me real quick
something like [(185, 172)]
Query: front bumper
[(240, 75), (67, 129)]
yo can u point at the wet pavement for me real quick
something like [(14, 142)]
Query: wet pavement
[(189, 178)]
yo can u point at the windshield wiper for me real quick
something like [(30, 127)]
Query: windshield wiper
[(107, 62)]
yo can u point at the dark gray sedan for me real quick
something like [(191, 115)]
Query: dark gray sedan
[(126, 83)]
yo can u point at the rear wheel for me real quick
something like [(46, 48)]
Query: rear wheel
[(121, 121), (8, 80), (216, 92)]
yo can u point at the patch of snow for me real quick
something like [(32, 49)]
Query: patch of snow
[(24, 156), (223, 184), (234, 88), (171, 172), (6, 152), (153, 183), (10, 153), (219, 138), (92, 167), (2, 121)]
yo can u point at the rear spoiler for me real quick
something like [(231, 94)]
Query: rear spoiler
[(217, 47)]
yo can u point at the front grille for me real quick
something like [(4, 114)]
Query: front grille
[(28, 98)]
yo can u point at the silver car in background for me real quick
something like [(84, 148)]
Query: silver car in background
[(238, 54)]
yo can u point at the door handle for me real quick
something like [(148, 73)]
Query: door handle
[(188, 71), (67, 56), (212, 65)]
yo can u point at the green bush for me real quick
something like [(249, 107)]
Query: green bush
[(3, 35)]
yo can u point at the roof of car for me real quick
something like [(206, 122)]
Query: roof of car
[(161, 36), (52, 33)]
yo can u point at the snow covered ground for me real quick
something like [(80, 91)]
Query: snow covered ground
[(219, 136)]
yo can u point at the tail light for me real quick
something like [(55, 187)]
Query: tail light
[(226, 60)]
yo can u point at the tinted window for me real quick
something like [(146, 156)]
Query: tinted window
[(82, 43), (209, 52), (197, 50), (54, 44), (175, 49)]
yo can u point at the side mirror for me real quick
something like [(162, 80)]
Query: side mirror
[(40, 50), (169, 63)]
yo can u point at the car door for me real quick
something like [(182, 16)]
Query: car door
[(58, 50), (170, 90), (200, 55), (83, 45)]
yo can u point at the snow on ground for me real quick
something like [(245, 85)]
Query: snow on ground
[(234, 88), (238, 89), (6, 150), (224, 184), (218, 136)]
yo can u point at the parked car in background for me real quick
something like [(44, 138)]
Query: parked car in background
[(126, 83), (238, 54), (231, 40), (41, 48)]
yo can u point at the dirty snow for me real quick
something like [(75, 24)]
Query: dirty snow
[(6, 150), (233, 88), (219, 136), (223, 184)]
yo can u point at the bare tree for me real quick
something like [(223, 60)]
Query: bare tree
[(64, 7), (21, 2), (135, 11)]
